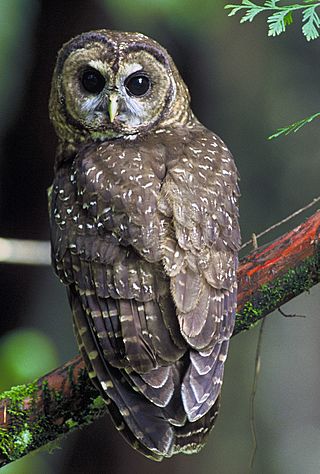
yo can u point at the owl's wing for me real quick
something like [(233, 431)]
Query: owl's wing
[(200, 195), (105, 243), (124, 317)]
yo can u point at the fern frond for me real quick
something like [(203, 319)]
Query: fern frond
[(294, 127), (311, 21), (280, 16), (278, 21)]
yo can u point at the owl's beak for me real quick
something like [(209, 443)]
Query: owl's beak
[(113, 106)]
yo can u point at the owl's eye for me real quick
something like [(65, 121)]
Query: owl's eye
[(92, 81), (137, 84)]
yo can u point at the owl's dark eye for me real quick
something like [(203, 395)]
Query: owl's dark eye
[(92, 81), (137, 84)]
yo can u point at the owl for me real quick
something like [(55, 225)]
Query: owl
[(144, 232)]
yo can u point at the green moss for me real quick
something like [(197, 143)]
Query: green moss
[(16, 441), (98, 404), (248, 317), (279, 291), (19, 393), (30, 429), (71, 424), (22, 440), (96, 409)]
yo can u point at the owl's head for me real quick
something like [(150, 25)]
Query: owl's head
[(109, 84)]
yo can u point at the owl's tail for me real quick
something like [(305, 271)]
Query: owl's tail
[(141, 423), (155, 431), (191, 437)]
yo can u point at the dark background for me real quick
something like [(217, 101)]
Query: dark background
[(243, 86)]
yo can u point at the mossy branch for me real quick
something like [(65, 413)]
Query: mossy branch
[(32, 415)]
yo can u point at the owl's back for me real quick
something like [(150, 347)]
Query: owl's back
[(145, 234)]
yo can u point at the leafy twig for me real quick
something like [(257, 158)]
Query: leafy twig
[(281, 16), (294, 127)]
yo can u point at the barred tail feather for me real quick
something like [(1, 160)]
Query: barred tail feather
[(191, 437), (142, 424)]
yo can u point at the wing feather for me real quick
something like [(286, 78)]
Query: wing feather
[(200, 193), (185, 289)]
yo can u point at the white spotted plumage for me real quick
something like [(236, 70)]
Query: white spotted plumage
[(145, 235)]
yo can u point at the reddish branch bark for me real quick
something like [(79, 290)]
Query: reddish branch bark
[(64, 398), (276, 273)]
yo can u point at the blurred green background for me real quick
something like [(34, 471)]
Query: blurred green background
[(243, 86)]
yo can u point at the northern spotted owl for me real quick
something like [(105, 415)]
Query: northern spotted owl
[(144, 230)]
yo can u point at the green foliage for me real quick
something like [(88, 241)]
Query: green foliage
[(294, 127), (30, 429), (15, 445), (311, 21), (281, 16)]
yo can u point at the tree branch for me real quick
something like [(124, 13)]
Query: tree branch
[(34, 414)]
